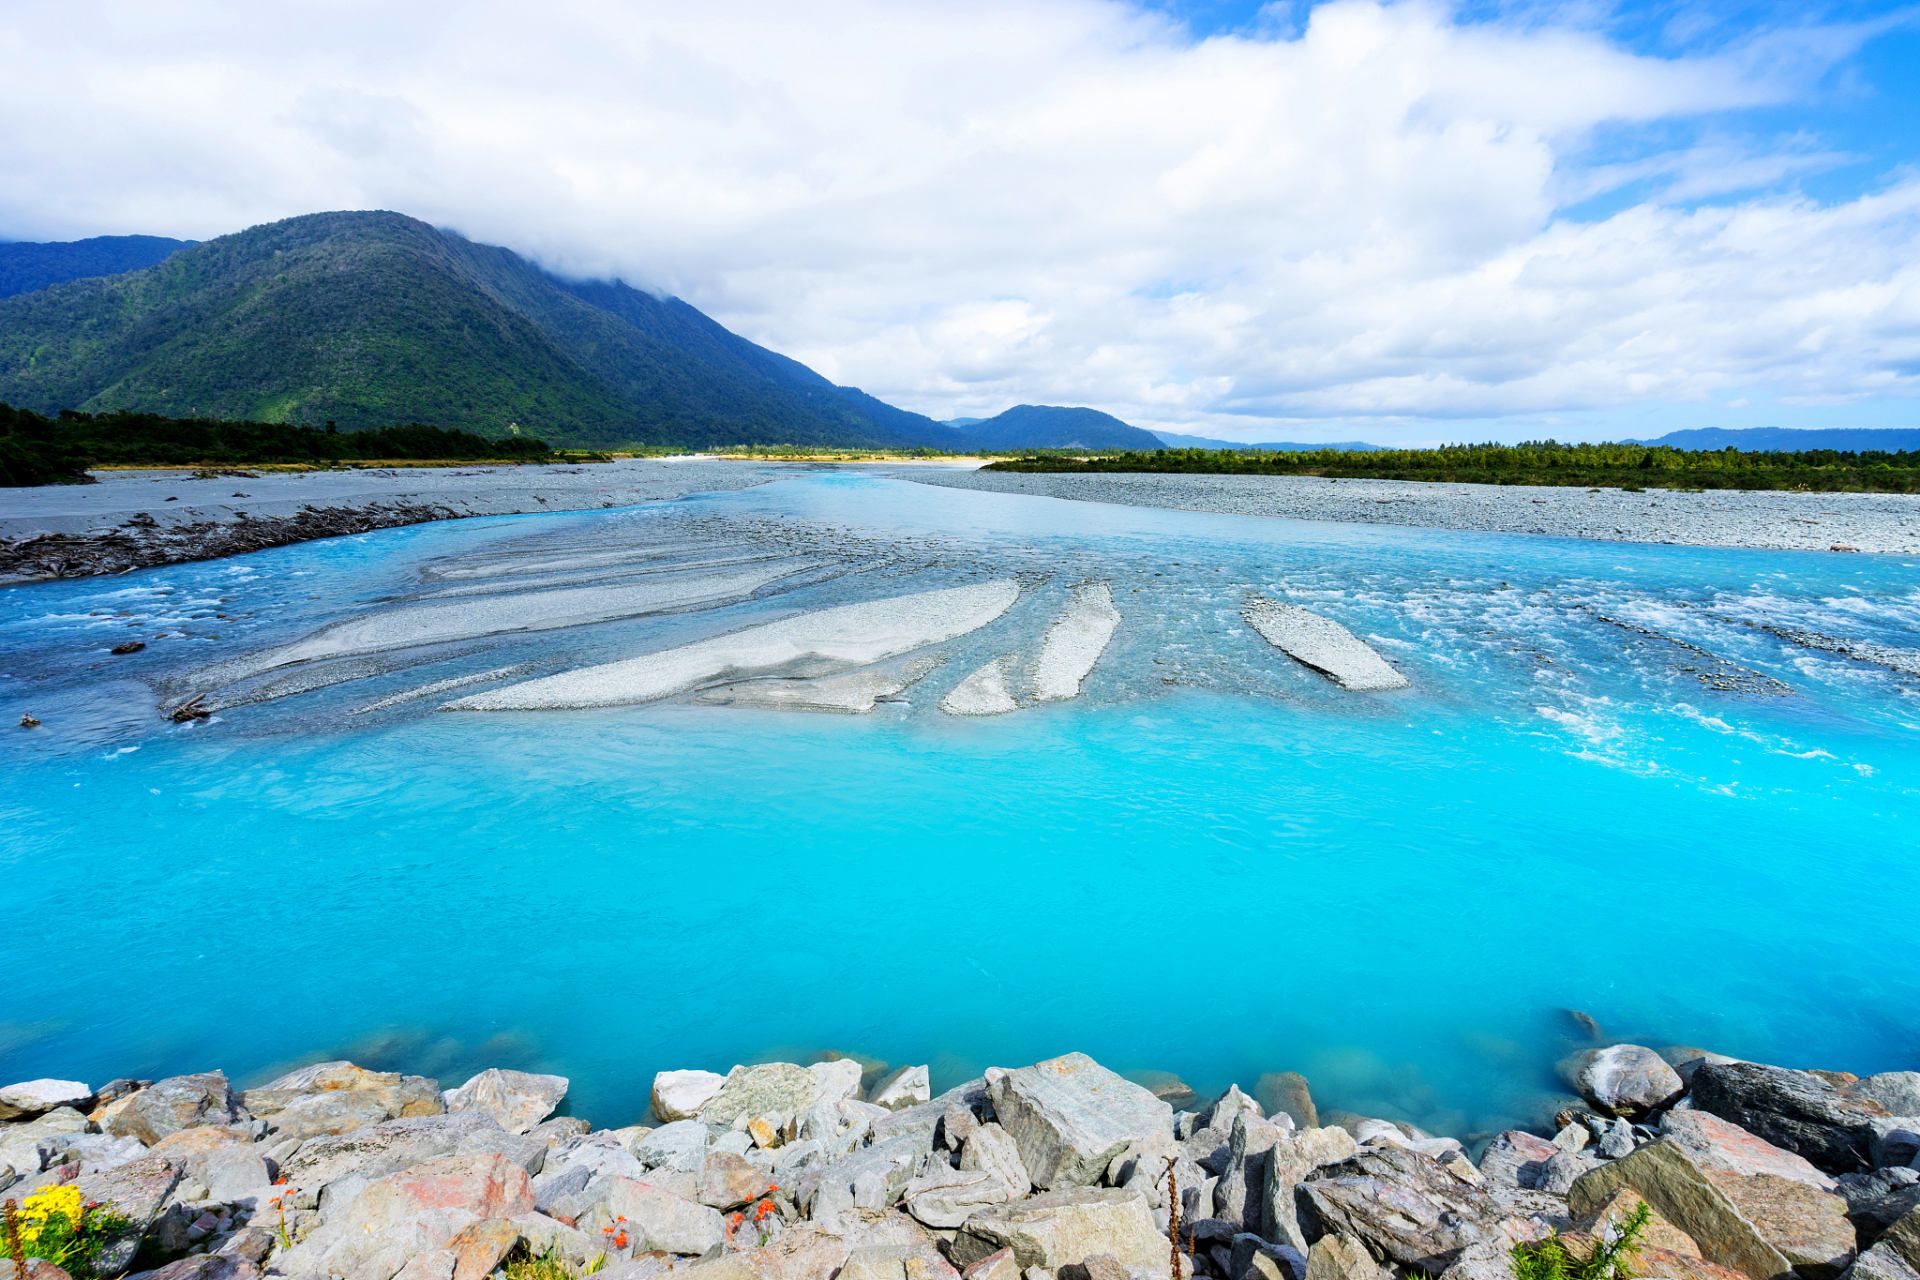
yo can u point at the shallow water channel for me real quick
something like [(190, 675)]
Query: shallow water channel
[(1672, 787)]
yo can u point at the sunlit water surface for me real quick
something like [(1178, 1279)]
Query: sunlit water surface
[(1214, 863)]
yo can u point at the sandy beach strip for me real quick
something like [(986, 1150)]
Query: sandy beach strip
[(1868, 522)]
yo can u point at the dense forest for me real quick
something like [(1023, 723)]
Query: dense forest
[(39, 450), (1537, 462)]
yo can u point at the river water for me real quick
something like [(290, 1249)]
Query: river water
[(1671, 787)]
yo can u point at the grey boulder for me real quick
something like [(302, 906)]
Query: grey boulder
[(1405, 1207), (1623, 1079), (758, 1091), (1070, 1116), (37, 1097), (1517, 1158), (382, 1149), (1795, 1110), (182, 1102), (1291, 1161), (1060, 1228), (1896, 1256), (517, 1100), (1237, 1196), (681, 1145)]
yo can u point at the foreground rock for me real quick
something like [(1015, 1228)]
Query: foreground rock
[(1061, 1169)]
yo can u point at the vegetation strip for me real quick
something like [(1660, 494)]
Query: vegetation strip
[(1547, 462)]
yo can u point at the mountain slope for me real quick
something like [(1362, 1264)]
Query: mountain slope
[(26, 266), (369, 319), (1037, 426), (1174, 440), (1790, 439)]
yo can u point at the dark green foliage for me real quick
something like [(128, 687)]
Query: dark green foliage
[(374, 318), (33, 452), (26, 266), (37, 450), (1551, 1259), (1541, 462)]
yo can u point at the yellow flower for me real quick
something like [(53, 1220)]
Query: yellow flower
[(44, 1204)]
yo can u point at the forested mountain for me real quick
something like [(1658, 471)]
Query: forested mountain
[(26, 266), (1791, 439), (1039, 426), (373, 319)]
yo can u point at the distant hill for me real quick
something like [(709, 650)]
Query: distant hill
[(373, 319), (1791, 439), (1036, 426), (27, 266), (1174, 440)]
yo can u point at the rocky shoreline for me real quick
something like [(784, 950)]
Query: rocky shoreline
[(1061, 1170), (143, 519)]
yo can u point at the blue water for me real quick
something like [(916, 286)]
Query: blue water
[(1214, 863)]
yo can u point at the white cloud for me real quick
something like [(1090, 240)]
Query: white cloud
[(960, 206)]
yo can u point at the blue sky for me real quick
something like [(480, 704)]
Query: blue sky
[(1356, 219)]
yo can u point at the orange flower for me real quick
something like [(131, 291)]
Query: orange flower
[(620, 1241)]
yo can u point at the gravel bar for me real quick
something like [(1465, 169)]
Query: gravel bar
[(1877, 522)]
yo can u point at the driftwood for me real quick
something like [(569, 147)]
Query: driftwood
[(142, 543), (191, 709)]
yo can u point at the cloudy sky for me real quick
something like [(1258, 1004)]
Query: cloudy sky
[(1348, 220)]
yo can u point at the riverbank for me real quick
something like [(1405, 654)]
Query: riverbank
[(1712, 1169), (1885, 523), (141, 519)]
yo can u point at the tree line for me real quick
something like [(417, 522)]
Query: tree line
[(1535, 462), (35, 449)]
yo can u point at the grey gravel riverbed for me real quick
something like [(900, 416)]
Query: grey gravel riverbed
[(1877, 522), (138, 519)]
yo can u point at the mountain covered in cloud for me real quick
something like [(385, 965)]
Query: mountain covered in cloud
[(370, 319), (26, 266), (1174, 440), (1042, 426)]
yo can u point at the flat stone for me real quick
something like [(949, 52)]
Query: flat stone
[(1516, 1158), (136, 1190), (1760, 1224), (341, 1111), (946, 1197), (1070, 1116), (1341, 1257), (482, 1246), (1056, 1228), (234, 1174), (833, 1081), (37, 1097), (1796, 1110), (1623, 1079), (681, 1145), (206, 1266), (524, 1149), (667, 1221), (517, 1100), (906, 1087), (896, 1262), (182, 1102), (489, 1186), (1564, 1169), (992, 1149), (1289, 1163), (1613, 1212), (1288, 1092), (759, 1091), (998, 1265), (1405, 1207), (679, 1095), (399, 1096), (1720, 1146), (434, 1264), (1897, 1091), (384, 1148), (727, 1182)]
